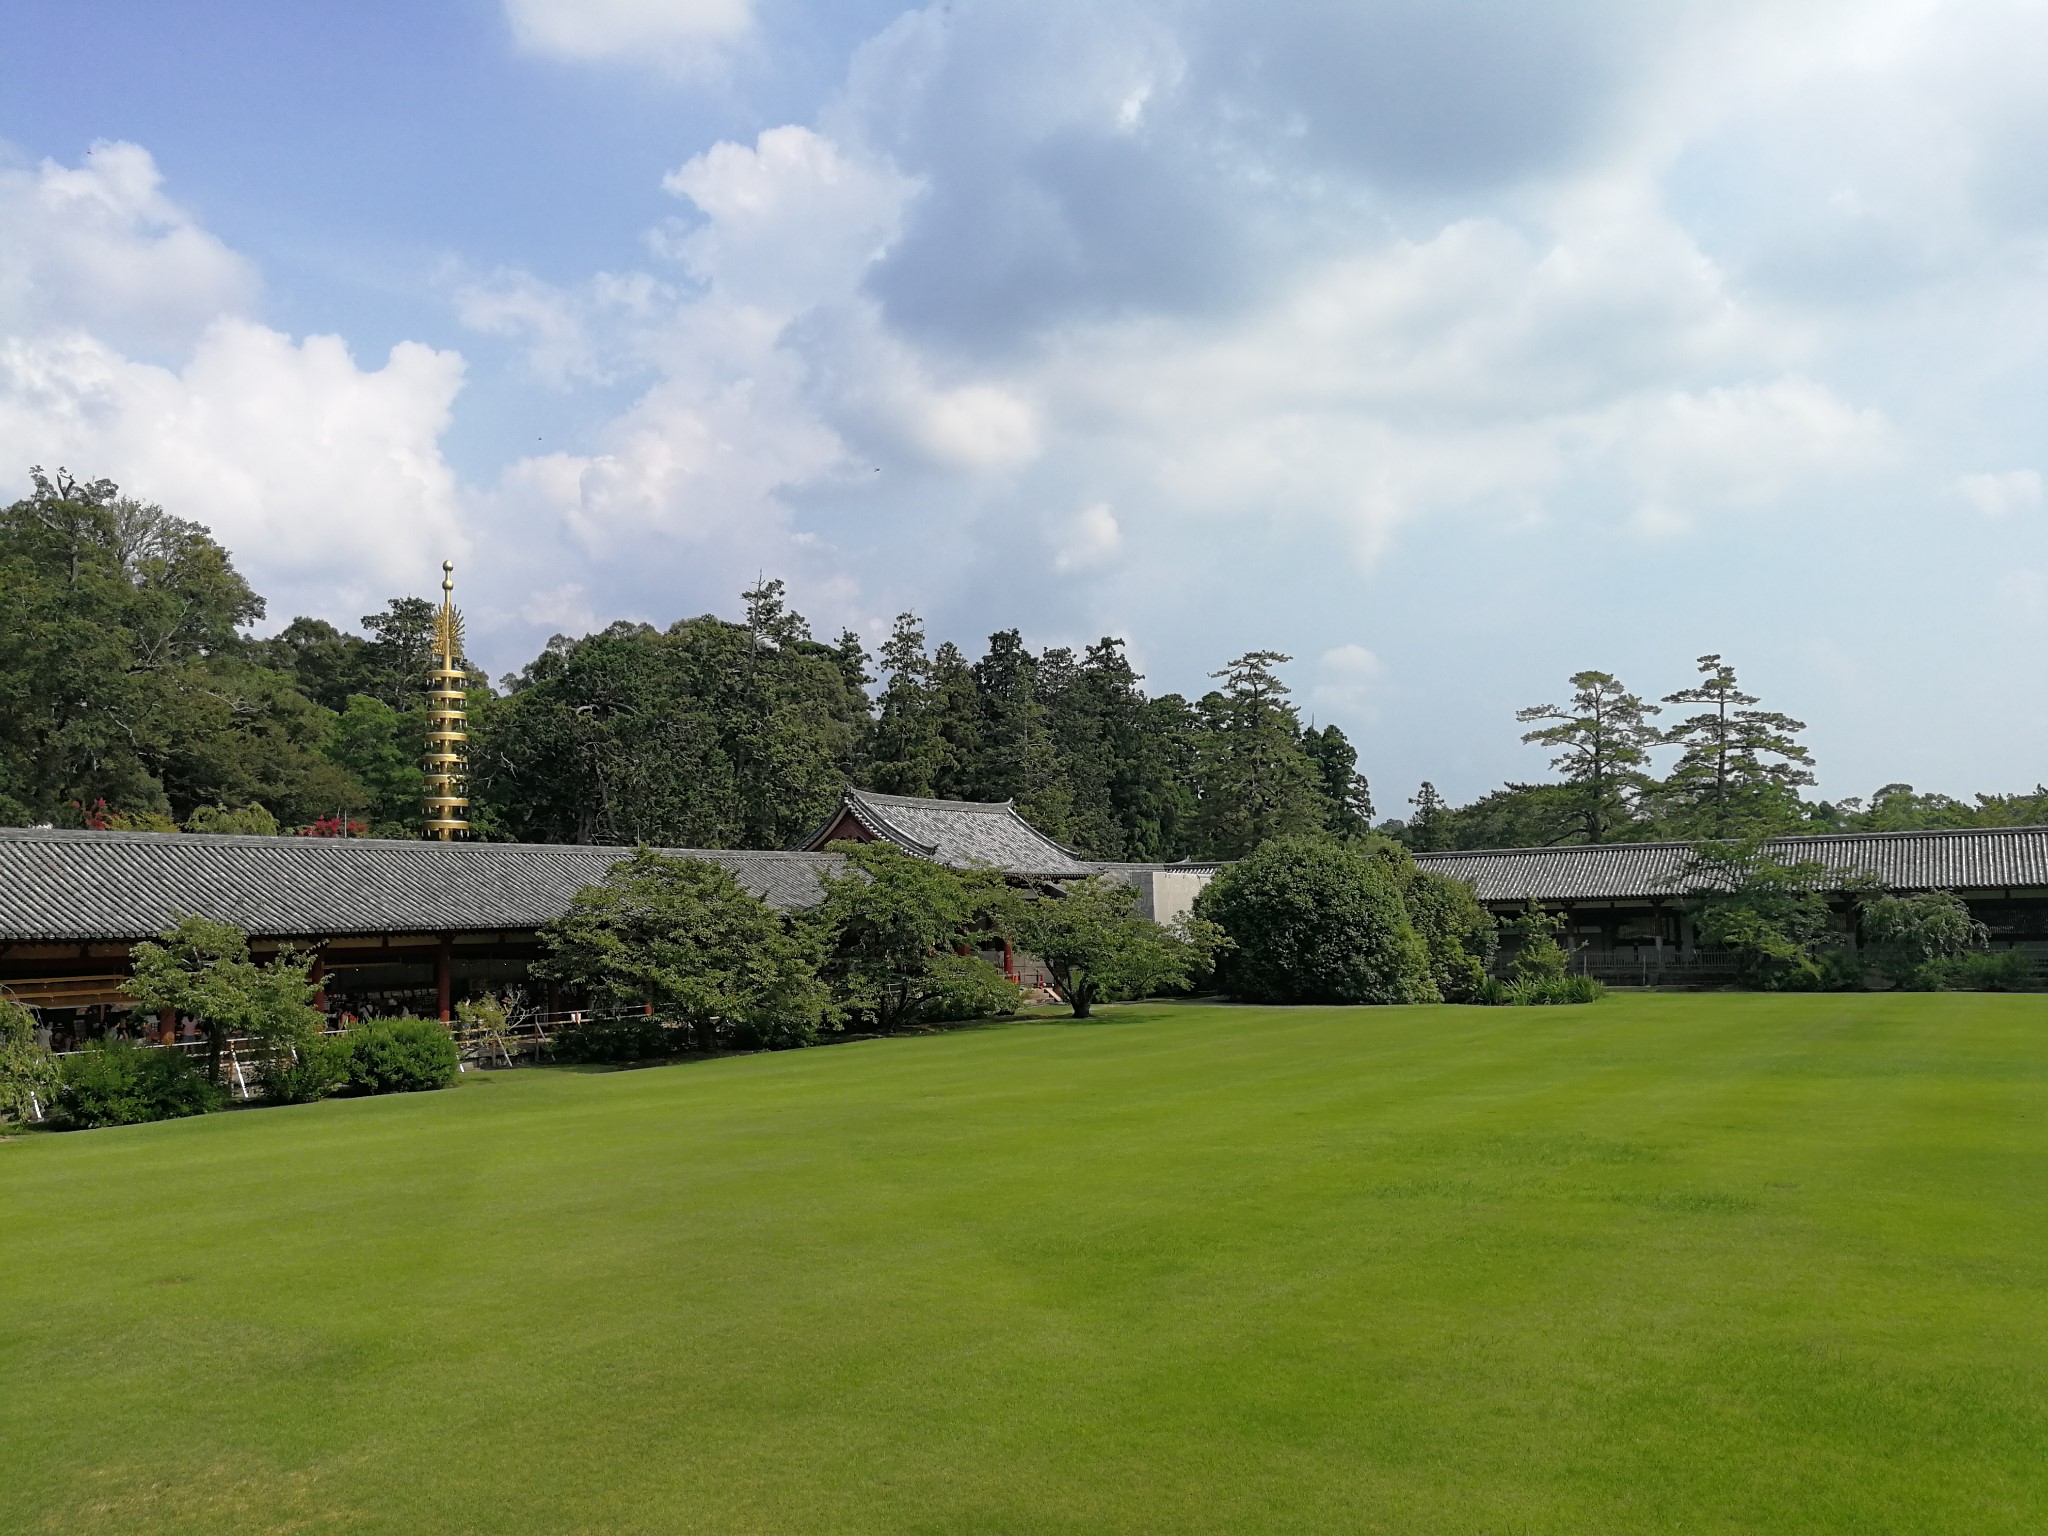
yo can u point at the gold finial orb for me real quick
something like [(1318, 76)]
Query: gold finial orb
[(447, 575)]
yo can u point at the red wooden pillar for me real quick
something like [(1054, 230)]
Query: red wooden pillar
[(1009, 960), (444, 976), (167, 1024), (318, 976)]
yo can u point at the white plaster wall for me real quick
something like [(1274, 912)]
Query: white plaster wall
[(1166, 895)]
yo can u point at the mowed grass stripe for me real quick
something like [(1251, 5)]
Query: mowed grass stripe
[(1717, 1263)]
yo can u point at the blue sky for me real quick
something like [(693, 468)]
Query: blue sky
[(1448, 347)]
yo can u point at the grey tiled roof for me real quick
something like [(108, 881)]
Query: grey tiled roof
[(1967, 859), (965, 834), (125, 885)]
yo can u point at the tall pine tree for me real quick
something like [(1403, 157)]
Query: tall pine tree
[(1740, 769), (1602, 736)]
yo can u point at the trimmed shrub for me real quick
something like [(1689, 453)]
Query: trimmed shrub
[(1996, 970), (1316, 922), (301, 1072), (404, 1055), (117, 1082), (632, 1038), (1840, 969)]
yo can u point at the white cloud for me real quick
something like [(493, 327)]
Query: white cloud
[(1751, 445), (1995, 495), (316, 474), (128, 350), (98, 246), (1090, 539), (1351, 661), (589, 335), (684, 35), (789, 223)]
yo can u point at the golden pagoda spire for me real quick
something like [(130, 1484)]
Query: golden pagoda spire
[(447, 718)]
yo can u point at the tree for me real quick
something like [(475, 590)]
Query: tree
[(1458, 934), (1428, 830), (907, 752), (886, 918), (1347, 797), (401, 650), (1772, 915), (1257, 784), (1537, 954), (1018, 759), (123, 674), (1602, 737), (382, 749), (1740, 769), (953, 717), (686, 938), (248, 821), (28, 1072), (709, 734), (1312, 921), (202, 969), (1090, 937), (1910, 937)]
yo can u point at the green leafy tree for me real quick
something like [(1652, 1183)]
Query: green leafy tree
[(1257, 784), (1912, 937), (1772, 915), (684, 936), (1313, 921), (1091, 938), (1602, 738), (1018, 758), (909, 753), (400, 650), (1537, 955), (1459, 934), (1428, 828), (1513, 816), (1740, 769), (707, 735), (885, 921), (1901, 808), (202, 969), (1347, 797), (249, 821), (382, 748), (124, 677), (955, 722), (28, 1072)]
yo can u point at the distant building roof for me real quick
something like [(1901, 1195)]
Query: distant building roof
[(58, 885), (965, 834), (1958, 859)]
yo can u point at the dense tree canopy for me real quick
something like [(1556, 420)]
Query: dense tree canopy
[(684, 938), (132, 695)]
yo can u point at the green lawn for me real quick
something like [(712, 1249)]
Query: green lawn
[(1725, 1263)]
